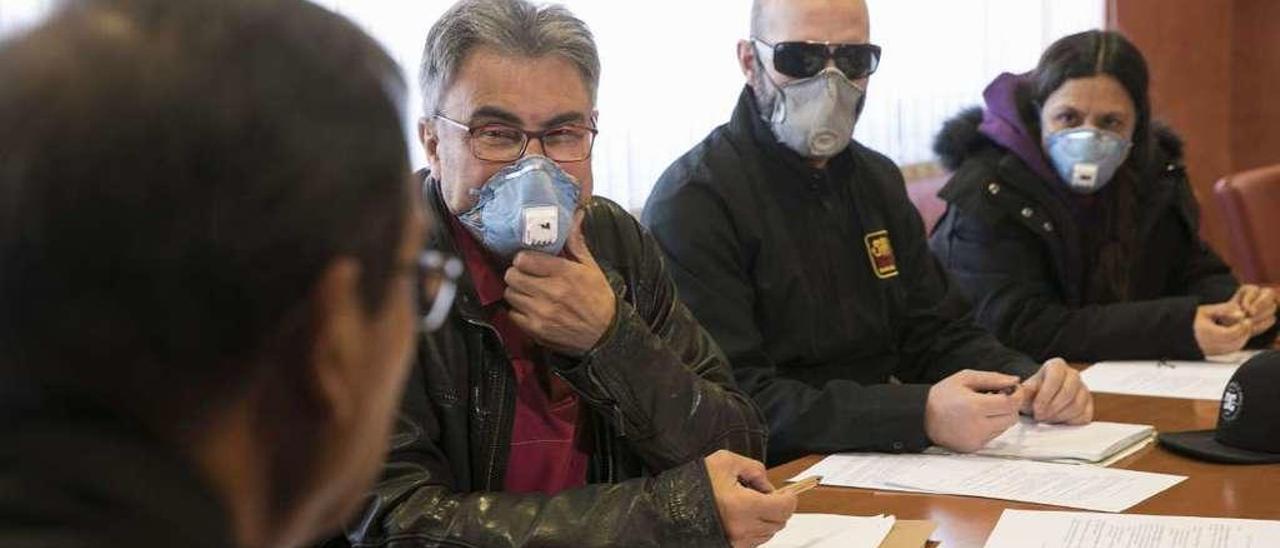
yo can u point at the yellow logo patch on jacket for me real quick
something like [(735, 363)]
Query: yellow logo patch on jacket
[(881, 253)]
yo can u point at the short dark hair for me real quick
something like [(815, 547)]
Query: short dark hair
[(174, 179)]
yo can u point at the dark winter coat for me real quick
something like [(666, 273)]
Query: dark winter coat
[(1013, 242)]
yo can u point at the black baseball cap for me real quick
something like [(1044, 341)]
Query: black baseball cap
[(1248, 418)]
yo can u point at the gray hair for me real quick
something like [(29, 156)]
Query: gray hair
[(513, 27)]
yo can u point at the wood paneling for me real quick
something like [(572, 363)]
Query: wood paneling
[(1255, 92), (1215, 73)]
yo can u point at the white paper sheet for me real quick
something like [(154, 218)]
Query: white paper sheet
[(1238, 357), (1027, 528), (1191, 380), (1087, 487), (868, 470), (832, 531), (1090, 443)]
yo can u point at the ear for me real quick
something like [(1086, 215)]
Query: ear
[(747, 60), (335, 357), (427, 137)]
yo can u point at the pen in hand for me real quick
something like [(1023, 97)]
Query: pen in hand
[(800, 486)]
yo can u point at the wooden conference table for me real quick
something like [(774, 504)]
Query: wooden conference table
[(1215, 490)]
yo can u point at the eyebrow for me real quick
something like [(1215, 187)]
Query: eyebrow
[(494, 114), (1060, 109), (487, 113)]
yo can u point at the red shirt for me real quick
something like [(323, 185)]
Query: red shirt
[(545, 452)]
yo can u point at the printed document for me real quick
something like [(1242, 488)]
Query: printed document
[(832, 531), (1087, 487), (1175, 379), (1028, 528)]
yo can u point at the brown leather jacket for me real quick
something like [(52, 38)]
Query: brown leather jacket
[(660, 397)]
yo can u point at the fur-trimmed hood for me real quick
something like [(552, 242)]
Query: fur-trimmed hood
[(999, 125)]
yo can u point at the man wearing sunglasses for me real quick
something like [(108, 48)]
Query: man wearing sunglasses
[(798, 249), (569, 399)]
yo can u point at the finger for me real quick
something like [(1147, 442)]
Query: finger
[(753, 474), (1237, 335), (1267, 322), (1029, 389), (1223, 334), (1240, 296), (524, 282), (1021, 398), (537, 263), (1267, 296), (1067, 396), (521, 302), (1086, 416), (1243, 292), (1081, 411), (1227, 313), (1245, 296), (1050, 385), (775, 508), (577, 243), (1223, 308), (986, 380), (993, 405), (1057, 362), (1264, 304)]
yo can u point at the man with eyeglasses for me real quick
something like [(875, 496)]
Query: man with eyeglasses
[(570, 399), (798, 249)]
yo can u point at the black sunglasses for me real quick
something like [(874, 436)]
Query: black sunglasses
[(805, 59)]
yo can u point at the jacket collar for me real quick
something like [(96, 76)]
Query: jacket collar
[(1002, 123), (467, 303)]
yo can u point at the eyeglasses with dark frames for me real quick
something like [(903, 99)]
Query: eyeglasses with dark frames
[(503, 143)]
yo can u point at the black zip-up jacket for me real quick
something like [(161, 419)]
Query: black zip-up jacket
[(76, 475), (660, 398), (773, 257), (1014, 248)]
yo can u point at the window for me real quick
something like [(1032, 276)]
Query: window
[(670, 74)]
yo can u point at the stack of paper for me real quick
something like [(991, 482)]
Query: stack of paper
[(1088, 487), (1022, 528), (1091, 443), (832, 530), (1192, 380)]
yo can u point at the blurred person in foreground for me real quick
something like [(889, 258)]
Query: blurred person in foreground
[(209, 257)]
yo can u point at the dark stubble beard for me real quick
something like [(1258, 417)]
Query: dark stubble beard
[(765, 93)]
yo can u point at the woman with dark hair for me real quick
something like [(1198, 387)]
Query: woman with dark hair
[(1070, 222)]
